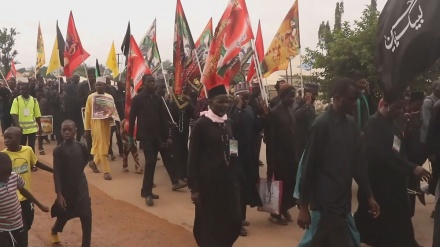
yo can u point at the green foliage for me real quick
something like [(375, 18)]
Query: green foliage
[(346, 51), (349, 51), (7, 43)]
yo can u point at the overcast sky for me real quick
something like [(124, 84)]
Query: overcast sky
[(99, 22)]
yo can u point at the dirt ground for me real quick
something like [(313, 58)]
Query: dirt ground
[(121, 218)]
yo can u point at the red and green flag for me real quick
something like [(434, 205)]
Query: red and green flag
[(150, 50), (182, 55), (230, 47)]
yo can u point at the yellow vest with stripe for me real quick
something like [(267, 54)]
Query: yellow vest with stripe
[(28, 123)]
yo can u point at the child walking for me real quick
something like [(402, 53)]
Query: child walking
[(23, 159), (12, 231), (73, 200), (127, 149)]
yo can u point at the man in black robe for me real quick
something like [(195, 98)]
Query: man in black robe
[(73, 105), (332, 158), (280, 151), (211, 176), (245, 126), (304, 114), (364, 104), (255, 102), (73, 200), (276, 100), (388, 174)]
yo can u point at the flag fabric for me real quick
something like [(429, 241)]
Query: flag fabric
[(198, 63), (57, 57), (182, 55), (97, 70), (138, 67), (408, 39), (12, 72), (41, 56), (229, 47), (285, 45), (112, 63), (74, 54), (259, 47), (125, 47), (150, 50)]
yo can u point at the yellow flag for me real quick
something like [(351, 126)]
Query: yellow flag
[(112, 64), (54, 63), (41, 56), (285, 45)]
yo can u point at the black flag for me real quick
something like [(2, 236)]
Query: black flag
[(61, 46), (97, 71), (408, 41), (126, 43)]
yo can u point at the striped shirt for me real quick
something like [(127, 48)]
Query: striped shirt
[(10, 209)]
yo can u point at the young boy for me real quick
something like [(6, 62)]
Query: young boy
[(23, 159), (127, 150), (12, 231), (73, 200)]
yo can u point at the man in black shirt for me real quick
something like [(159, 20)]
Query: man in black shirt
[(152, 127), (332, 158)]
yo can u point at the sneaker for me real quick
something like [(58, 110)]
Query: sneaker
[(125, 169), (54, 240)]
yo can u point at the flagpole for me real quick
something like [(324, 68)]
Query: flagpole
[(4, 78), (59, 80), (166, 81), (85, 69), (201, 71), (301, 69), (259, 74), (290, 68), (168, 109)]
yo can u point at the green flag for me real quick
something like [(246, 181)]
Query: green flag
[(97, 71)]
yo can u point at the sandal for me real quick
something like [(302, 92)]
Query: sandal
[(107, 176), (42, 152), (139, 171), (243, 232), (125, 169), (112, 157), (287, 216), (54, 240), (279, 221), (92, 166)]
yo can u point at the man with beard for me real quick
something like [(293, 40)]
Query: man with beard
[(332, 158), (211, 176), (280, 152), (245, 126), (388, 174)]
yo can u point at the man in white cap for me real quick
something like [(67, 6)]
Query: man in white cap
[(98, 130)]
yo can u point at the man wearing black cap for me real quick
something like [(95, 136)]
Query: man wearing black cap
[(211, 175), (150, 112), (276, 100), (280, 152)]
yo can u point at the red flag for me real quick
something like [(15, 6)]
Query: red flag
[(74, 54), (232, 34), (12, 72), (259, 47), (138, 66)]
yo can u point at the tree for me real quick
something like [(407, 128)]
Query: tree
[(168, 67), (7, 43), (347, 52), (373, 5), (339, 11)]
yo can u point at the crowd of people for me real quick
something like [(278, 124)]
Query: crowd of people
[(212, 145)]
